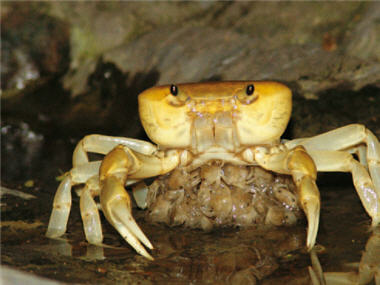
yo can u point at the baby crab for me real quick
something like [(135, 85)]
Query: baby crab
[(212, 125)]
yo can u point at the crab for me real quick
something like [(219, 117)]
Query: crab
[(237, 124)]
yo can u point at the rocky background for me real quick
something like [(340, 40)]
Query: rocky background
[(73, 68)]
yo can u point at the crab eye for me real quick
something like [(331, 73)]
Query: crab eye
[(250, 89), (174, 90)]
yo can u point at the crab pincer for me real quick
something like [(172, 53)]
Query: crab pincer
[(297, 163), (115, 201)]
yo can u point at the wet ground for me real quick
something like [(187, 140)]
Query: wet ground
[(225, 256)]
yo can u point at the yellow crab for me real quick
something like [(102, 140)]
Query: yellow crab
[(236, 123)]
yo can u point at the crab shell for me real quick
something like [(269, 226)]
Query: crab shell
[(219, 114)]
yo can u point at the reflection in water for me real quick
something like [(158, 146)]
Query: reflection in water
[(63, 247), (94, 252), (60, 246), (223, 256), (226, 256), (365, 271)]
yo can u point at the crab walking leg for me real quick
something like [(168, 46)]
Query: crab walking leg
[(300, 165), (343, 161), (140, 191), (347, 138), (62, 199), (61, 209), (104, 144), (361, 152), (117, 165), (90, 213)]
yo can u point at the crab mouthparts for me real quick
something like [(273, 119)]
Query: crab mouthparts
[(214, 130)]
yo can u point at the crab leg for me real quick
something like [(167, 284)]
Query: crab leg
[(117, 165), (82, 170), (361, 152), (300, 165), (62, 199), (61, 209), (330, 151), (140, 191), (343, 161), (90, 213), (104, 144)]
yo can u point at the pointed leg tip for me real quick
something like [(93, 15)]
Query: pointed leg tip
[(148, 245), (309, 244), (54, 233), (311, 209), (375, 222), (311, 239), (127, 224), (149, 257), (143, 252)]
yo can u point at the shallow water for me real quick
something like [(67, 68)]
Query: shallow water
[(182, 256)]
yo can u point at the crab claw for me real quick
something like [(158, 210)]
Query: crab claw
[(310, 202), (116, 206)]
